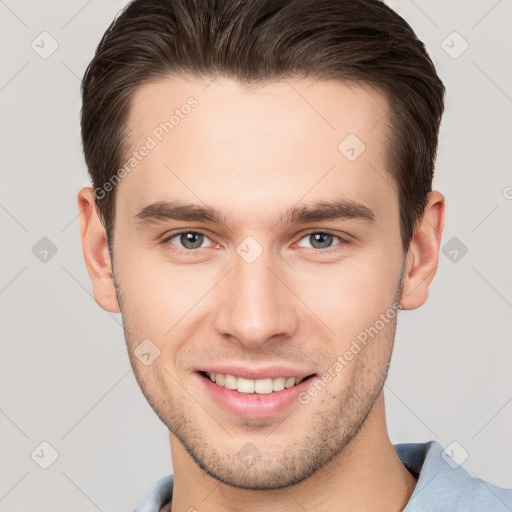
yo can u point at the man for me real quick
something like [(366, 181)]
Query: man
[(261, 210)]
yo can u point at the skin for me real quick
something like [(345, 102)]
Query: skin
[(253, 153)]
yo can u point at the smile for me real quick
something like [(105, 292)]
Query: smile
[(260, 386)]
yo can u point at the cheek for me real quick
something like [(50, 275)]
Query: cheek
[(363, 357), (158, 294), (347, 295), (351, 294)]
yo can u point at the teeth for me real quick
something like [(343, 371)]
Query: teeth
[(289, 382), (244, 385), (278, 384), (230, 382), (261, 386)]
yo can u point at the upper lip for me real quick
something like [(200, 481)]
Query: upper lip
[(269, 372)]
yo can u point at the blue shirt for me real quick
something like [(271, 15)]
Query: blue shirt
[(442, 486)]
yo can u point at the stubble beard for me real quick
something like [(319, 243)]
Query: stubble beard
[(331, 429)]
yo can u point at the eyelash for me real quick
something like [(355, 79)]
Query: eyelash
[(190, 252)]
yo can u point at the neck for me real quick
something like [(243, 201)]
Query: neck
[(366, 475)]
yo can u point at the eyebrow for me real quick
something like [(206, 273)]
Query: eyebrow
[(340, 209)]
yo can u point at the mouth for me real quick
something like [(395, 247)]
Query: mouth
[(265, 386), (254, 393)]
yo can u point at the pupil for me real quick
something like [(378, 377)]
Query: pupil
[(319, 237), (187, 239)]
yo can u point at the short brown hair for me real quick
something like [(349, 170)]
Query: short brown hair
[(256, 42)]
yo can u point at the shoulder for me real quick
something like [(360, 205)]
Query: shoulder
[(159, 497), (443, 484)]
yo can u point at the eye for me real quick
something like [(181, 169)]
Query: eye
[(321, 241), (186, 240)]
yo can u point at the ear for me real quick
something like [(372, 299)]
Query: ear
[(423, 255), (95, 250)]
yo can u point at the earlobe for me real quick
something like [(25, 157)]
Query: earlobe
[(95, 251), (423, 256)]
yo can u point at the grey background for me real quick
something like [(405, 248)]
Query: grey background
[(65, 375)]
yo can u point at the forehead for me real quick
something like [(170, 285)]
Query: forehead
[(217, 141), (289, 109)]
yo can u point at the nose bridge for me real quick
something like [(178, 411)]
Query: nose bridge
[(256, 306)]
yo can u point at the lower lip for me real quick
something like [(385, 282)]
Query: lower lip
[(254, 405)]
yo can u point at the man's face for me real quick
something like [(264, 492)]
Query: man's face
[(263, 295)]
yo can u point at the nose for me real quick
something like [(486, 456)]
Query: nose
[(256, 307)]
